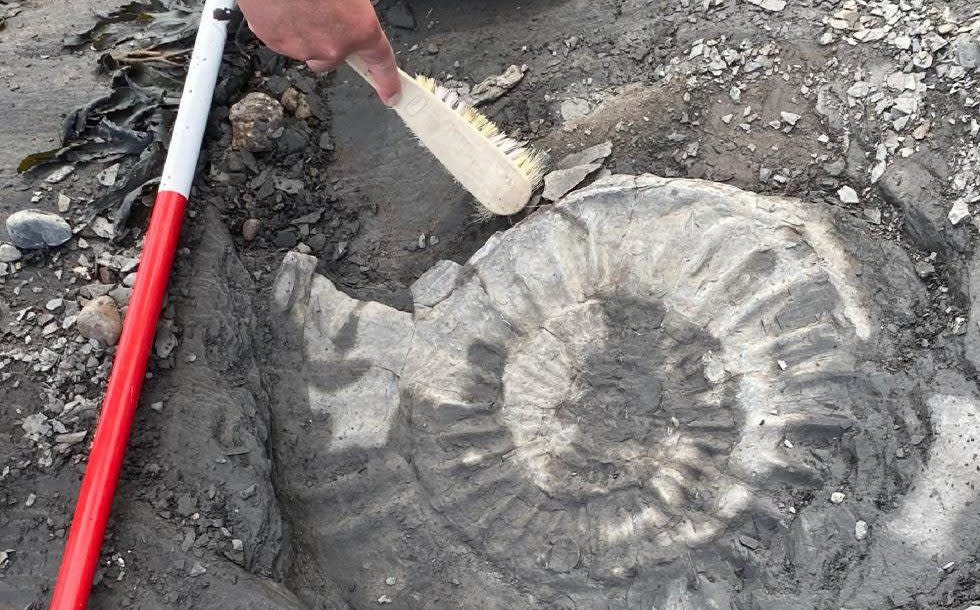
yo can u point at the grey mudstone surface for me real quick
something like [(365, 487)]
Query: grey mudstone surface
[(917, 187), (32, 229), (215, 404), (399, 15), (934, 528), (644, 397), (972, 340)]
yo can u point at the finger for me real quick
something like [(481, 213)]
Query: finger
[(380, 61), (319, 65)]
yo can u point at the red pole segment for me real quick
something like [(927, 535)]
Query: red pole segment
[(95, 497), (119, 406)]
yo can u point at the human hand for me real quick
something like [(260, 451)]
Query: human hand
[(325, 32)]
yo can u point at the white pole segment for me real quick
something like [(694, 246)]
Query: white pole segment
[(195, 103)]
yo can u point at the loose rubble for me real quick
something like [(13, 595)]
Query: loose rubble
[(770, 5), (848, 195), (9, 253), (958, 212), (860, 530)]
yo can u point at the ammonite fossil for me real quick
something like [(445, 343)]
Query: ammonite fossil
[(620, 401)]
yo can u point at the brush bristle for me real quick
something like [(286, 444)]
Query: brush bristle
[(530, 162)]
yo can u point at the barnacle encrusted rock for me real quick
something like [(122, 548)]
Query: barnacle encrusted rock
[(256, 122)]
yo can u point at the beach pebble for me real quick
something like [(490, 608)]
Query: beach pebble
[(100, 320), (31, 229), (250, 229)]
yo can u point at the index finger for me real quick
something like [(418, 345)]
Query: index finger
[(380, 61)]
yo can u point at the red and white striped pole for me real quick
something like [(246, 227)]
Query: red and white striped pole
[(105, 461)]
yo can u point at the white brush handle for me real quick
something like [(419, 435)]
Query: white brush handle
[(474, 161)]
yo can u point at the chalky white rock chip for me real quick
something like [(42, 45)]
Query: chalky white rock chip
[(773, 6), (958, 212), (847, 195)]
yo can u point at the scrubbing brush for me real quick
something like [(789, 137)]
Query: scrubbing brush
[(500, 172)]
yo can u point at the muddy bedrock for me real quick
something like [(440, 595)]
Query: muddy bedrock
[(239, 445)]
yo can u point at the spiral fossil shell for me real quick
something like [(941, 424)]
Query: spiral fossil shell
[(598, 378), (609, 386)]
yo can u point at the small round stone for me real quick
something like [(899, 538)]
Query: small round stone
[(837, 497), (250, 229), (861, 530), (100, 320)]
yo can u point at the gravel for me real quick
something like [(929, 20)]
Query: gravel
[(860, 530), (773, 6), (958, 212)]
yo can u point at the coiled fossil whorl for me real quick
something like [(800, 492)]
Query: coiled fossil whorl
[(616, 379)]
